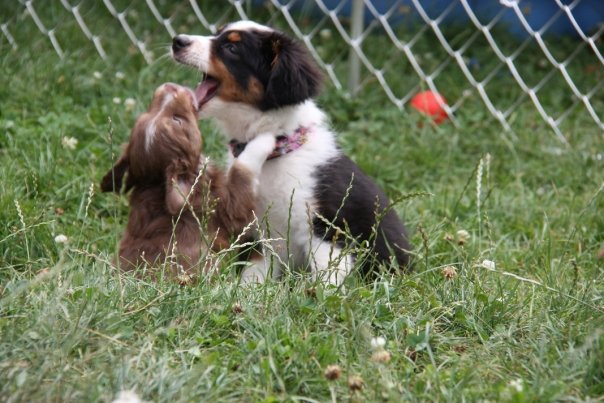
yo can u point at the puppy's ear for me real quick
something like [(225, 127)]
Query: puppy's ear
[(294, 76), (112, 181)]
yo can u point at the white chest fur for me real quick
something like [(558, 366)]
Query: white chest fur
[(286, 193)]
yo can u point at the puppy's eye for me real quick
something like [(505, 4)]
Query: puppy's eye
[(177, 119), (231, 48)]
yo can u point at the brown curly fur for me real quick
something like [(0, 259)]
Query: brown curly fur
[(163, 164)]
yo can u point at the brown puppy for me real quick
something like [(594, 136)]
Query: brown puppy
[(180, 206)]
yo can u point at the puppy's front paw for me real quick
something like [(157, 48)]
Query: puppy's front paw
[(262, 145), (257, 151)]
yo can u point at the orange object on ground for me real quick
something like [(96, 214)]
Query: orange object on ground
[(427, 102)]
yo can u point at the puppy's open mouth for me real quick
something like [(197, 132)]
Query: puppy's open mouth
[(206, 90)]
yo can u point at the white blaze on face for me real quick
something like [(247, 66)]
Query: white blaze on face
[(197, 54), (151, 128), (246, 25)]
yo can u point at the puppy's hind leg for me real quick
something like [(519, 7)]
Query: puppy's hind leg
[(328, 263), (258, 268), (252, 159)]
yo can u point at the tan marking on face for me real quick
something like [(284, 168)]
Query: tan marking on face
[(230, 90), (234, 37)]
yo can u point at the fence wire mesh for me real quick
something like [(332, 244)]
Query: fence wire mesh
[(509, 58)]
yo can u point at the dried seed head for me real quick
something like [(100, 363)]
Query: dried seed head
[(460, 348), (380, 356), (43, 271), (184, 279), (449, 272), (333, 372), (463, 236), (355, 383), (237, 308), (411, 354), (311, 292)]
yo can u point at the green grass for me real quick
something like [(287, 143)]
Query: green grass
[(73, 328)]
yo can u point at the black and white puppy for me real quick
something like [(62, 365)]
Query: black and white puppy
[(256, 81)]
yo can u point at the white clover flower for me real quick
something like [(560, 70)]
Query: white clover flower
[(378, 343), (517, 385), (127, 396), (117, 100), (69, 142), (129, 103), (98, 75), (488, 264), (120, 75), (325, 33), (61, 238)]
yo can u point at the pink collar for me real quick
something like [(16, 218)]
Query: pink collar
[(284, 145)]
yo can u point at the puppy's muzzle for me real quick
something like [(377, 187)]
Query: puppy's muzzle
[(180, 42)]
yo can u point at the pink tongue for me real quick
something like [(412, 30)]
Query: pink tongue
[(205, 90), (201, 91)]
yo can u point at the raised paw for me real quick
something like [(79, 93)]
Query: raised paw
[(262, 145), (257, 151)]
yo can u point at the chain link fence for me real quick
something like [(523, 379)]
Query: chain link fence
[(509, 54)]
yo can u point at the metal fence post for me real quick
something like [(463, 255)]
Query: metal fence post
[(356, 30)]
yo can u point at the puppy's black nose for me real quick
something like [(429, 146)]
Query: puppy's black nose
[(180, 42)]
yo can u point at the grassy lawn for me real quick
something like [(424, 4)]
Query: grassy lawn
[(504, 303)]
